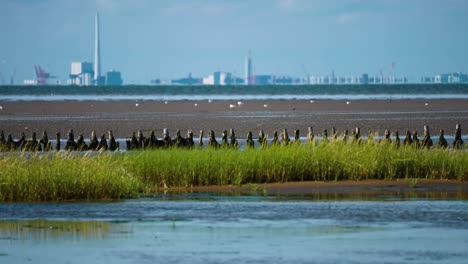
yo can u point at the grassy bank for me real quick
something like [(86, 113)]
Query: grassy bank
[(65, 176)]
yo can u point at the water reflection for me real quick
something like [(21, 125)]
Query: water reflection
[(378, 196), (42, 230), (263, 194)]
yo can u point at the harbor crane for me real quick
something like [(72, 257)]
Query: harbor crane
[(42, 75)]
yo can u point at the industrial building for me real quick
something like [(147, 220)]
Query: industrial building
[(264, 79), (456, 77), (363, 79), (87, 73), (114, 78), (221, 78), (285, 80), (184, 81), (81, 74)]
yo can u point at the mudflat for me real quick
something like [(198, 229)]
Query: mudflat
[(364, 189), (127, 116)]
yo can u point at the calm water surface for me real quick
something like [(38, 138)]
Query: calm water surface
[(204, 228), (163, 92), (201, 97)]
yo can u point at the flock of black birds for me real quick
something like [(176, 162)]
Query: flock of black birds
[(140, 142), (44, 144)]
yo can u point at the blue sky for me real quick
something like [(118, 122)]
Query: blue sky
[(146, 39)]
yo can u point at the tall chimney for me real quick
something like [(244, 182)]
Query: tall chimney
[(248, 69), (97, 58)]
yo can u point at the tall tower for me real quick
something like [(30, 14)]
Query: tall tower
[(248, 69), (97, 56)]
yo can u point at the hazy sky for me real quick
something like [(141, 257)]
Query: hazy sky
[(146, 39)]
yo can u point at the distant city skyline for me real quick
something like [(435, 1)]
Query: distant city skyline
[(171, 38)]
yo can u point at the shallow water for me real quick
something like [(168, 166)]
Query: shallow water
[(201, 97), (204, 228), (164, 92)]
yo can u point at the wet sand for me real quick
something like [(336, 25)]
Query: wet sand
[(124, 117), (365, 189)]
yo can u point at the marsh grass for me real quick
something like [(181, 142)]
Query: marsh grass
[(65, 176)]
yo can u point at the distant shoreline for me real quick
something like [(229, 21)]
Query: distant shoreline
[(225, 97)]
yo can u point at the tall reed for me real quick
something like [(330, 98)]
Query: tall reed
[(65, 176), (308, 162), (68, 176)]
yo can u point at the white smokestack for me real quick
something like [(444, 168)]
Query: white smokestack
[(97, 58)]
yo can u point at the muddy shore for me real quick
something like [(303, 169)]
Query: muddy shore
[(365, 189), (124, 117)]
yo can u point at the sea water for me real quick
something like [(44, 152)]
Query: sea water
[(204, 228), (278, 92)]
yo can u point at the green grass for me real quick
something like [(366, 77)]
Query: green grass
[(65, 177), (68, 176)]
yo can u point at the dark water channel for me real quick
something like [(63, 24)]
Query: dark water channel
[(205, 228)]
